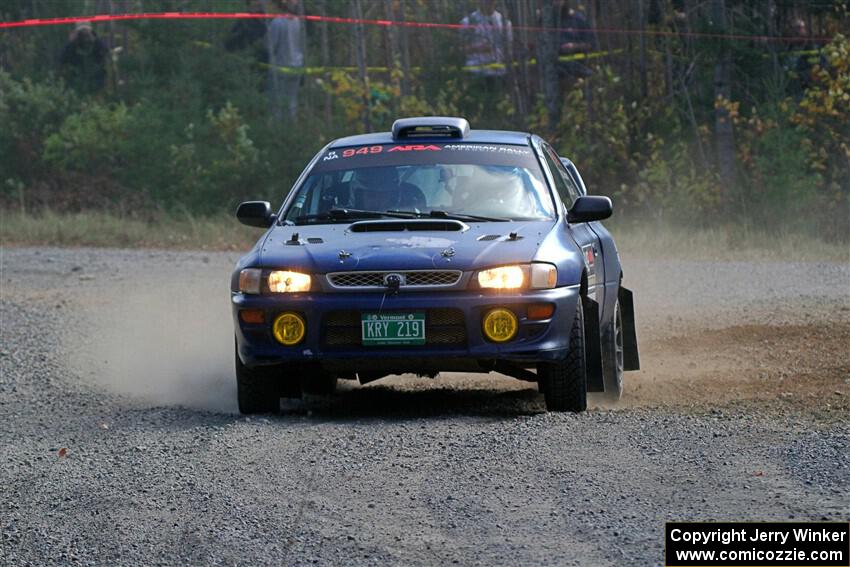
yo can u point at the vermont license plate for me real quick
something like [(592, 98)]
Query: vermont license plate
[(392, 329)]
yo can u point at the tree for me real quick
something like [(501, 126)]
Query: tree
[(724, 134)]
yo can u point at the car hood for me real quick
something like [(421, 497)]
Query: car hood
[(340, 247)]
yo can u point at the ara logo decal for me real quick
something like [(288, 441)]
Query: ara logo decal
[(415, 148), (331, 155)]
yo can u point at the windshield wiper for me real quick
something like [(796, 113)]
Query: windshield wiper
[(452, 216), (348, 214)]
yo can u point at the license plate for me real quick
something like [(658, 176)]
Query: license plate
[(392, 329)]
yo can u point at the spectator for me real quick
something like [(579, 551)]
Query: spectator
[(576, 38), (249, 34), (803, 55), (286, 57), (83, 60), (486, 35)]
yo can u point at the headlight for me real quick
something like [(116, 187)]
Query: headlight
[(288, 282), (535, 276), (506, 277), (280, 281)]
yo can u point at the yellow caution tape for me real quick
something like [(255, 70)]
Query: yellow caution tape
[(351, 69)]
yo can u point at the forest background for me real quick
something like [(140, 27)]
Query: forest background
[(701, 114)]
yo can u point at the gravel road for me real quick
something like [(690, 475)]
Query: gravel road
[(121, 445)]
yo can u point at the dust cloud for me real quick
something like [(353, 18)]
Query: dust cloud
[(161, 332), (162, 344)]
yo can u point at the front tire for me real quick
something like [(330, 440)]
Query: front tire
[(613, 356), (564, 382), (256, 388)]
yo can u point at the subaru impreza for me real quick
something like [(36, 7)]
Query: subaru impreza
[(432, 248)]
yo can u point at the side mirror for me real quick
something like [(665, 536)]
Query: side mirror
[(590, 208), (255, 213)]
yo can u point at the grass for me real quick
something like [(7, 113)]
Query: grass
[(103, 229), (186, 231), (728, 242)]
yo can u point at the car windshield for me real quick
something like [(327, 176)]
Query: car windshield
[(481, 182)]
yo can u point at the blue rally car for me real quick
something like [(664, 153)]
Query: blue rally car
[(432, 248)]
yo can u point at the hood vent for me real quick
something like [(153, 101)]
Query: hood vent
[(315, 240), (510, 238), (408, 225)]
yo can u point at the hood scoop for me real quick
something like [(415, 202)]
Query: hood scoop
[(405, 225), (511, 237)]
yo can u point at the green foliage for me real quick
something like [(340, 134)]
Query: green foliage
[(92, 139), (384, 102), (781, 182), (598, 140), (670, 185), (184, 125), (29, 113), (823, 117), (216, 161), (638, 153)]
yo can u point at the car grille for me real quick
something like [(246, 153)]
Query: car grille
[(443, 326), (410, 278)]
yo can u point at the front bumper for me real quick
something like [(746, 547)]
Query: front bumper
[(536, 340)]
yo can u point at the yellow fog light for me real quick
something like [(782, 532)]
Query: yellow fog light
[(289, 329), (500, 325)]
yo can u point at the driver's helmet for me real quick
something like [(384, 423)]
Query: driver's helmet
[(375, 188)]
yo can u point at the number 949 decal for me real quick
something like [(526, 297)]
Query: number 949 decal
[(366, 150)]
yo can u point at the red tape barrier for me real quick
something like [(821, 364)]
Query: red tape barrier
[(341, 20)]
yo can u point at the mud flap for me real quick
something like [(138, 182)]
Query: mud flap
[(592, 346), (631, 359)]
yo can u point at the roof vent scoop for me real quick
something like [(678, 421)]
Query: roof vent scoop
[(430, 127)]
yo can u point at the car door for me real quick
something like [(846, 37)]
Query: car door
[(610, 256), (583, 234)]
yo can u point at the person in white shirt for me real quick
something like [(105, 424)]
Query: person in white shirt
[(286, 43), (487, 35)]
